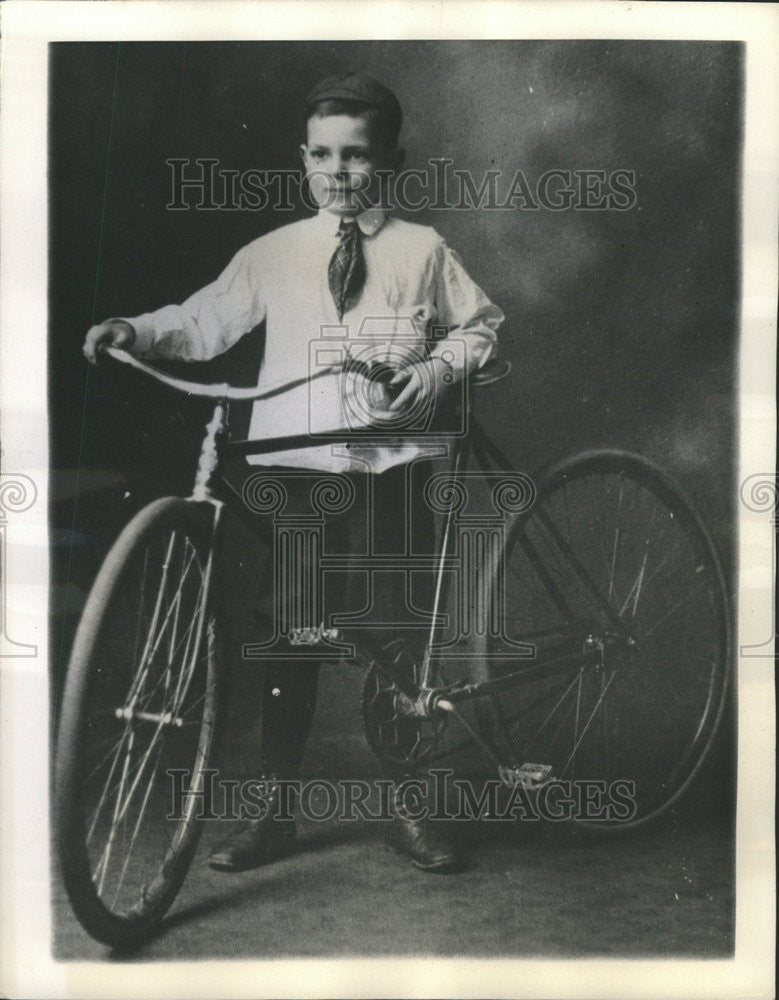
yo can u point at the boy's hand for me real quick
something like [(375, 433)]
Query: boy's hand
[(113, 333), (425, 383)]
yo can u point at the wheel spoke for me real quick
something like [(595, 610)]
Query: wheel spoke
[(672, 611), (127, 734), (547, 719), (588, 723), (610, 556), (149, 661), (136, 828), (102, 866), (635, 591), (615, 545)]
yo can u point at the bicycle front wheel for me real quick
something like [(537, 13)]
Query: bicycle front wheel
[(137, 724), (612, 580)]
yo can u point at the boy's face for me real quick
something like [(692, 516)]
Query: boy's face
[(342, 159)]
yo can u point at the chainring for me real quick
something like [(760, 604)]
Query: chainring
[(396, 737)]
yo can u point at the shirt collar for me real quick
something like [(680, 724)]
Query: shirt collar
[(370, 221)]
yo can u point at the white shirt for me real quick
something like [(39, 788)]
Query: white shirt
[(413, 281)]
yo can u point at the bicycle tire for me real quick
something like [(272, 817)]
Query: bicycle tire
[(171, 712), (645, 710)]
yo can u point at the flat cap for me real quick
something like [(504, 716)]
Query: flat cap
[(356, 87)]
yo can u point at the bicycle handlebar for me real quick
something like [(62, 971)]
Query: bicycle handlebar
[(215, 390), (493, 371)]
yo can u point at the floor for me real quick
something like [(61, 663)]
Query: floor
[(529, 890)]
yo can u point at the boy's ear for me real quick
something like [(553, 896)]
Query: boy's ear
[(303, 151)]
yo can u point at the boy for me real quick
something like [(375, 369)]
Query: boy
[(381, 283)]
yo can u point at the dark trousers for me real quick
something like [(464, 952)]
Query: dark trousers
[(359, 526)]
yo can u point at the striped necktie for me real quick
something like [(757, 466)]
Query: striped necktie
[(346, 270)]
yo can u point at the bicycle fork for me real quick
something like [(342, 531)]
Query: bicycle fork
[(208, 465)]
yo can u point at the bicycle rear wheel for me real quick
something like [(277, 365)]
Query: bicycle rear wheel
[(614, 581), (137, 724)]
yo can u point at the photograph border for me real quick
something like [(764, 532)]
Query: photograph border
[(25, 959)]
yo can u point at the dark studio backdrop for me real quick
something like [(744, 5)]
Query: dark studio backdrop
[(621, 325)]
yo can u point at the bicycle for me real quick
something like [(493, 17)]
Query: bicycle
[(599, 649)]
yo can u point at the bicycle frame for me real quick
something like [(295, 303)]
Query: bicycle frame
[(567, 683), (424, 699), (547, 660)]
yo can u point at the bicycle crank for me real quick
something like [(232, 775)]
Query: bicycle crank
[(401, 730)]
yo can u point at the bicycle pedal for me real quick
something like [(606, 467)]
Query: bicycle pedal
[(528, 776), (312, 636)]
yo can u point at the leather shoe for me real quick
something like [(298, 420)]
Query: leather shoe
[(254, 844), (428, 849)]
